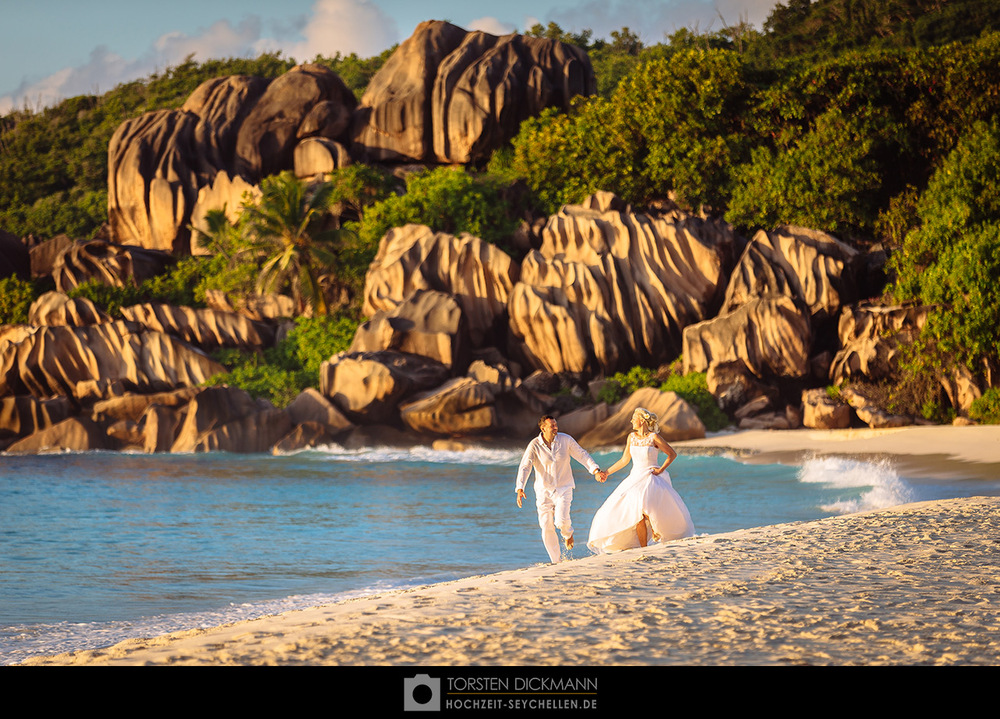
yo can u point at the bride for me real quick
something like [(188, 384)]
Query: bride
[(645, 504)]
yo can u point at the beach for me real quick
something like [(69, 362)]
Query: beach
[(917, 584)]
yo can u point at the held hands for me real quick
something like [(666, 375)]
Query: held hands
[(600, 475)]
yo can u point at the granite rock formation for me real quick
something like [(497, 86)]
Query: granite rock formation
[(452, 96), (609, 289)]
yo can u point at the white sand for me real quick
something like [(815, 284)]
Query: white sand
[(916, 584)]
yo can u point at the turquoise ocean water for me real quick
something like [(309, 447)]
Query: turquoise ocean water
[(96, 548)]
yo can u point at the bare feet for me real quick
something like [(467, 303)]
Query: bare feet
[(569, 542)]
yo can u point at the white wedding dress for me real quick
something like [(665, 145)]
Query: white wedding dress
[(640, 493)]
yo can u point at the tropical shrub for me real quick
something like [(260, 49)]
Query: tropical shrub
[(986, 409), (16, 296)]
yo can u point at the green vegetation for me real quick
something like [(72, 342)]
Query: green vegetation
[(280, 373), (16, 296), (692, 388), (986, 409), (951, 261)]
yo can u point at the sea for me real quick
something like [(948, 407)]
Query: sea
[(100, 547)]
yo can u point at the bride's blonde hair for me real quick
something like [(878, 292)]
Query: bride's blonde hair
[(648, 419)]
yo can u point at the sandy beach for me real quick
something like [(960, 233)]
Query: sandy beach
[(917, 584)]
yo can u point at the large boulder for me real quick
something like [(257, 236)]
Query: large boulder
[(428, 323), (307, 101), (111, 264), (771, 335), (820, 411), (154, 172), (368, 386), (477, 274), (870, 337), (206, 328), (461, 406), (677, 419), (453, 96), (312, 407), (609, 289), (75, 434), (60, 360), (807, 265), (55, 309), (159, 162)]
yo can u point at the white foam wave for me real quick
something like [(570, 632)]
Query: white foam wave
[(470, 456), (881, 485)]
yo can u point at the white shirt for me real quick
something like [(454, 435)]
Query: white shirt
[(551, 463)]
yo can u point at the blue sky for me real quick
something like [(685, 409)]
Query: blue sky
[(51, 49)]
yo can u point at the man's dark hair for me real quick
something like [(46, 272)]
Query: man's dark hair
[(542, 420)]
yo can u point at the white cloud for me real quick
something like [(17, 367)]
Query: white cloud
[(343, 26), (491, 25)]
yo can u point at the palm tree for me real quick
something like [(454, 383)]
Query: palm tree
[(290, 227)]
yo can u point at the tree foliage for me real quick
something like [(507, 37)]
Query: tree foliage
[(952, 260)]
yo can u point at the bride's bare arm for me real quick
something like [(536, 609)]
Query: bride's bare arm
[(625, 459), (661, 444)]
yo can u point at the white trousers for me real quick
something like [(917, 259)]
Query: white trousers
[(553, 511)]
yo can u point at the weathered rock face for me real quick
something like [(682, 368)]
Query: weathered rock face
[(55, 308), (477, 274), (307, 101), (44, 255), (24, 415), (803, 264), (870, 337), (428, 323), (610, 289), (454, 96), (153, 179), (111, 264), (772, 336), (487, 399), (226, 193), (208, 329), (244, 126), (367, 387), (676, 418), (312, 407), (461, 406), (76, 434), (820, 411), (58, 360)]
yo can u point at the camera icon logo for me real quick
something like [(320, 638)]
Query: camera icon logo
[(422, 693)]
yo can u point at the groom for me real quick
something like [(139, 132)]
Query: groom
[(549, 454)]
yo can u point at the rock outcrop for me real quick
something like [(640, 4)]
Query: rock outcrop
[(478, 275), (677, 420), (610, 289), (806, 265), (445, 95), (453, 96), (51, 361), (771, 335), (207, 328), (247, 127), (368, 387)]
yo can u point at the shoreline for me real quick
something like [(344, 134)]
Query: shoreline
[(913, 584)]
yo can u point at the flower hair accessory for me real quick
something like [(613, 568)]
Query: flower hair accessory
[(648, 419)]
